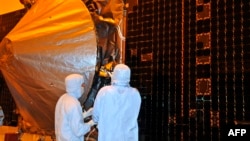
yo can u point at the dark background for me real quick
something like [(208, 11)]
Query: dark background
[(190, 62)]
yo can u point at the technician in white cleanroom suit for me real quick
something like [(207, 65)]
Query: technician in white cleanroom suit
[(116, 108), (69, 122)]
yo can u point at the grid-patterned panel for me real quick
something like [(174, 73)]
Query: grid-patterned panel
[(141, 43), (230, 46), (7, 22), (154, 24), (196, 83), (7, 103)]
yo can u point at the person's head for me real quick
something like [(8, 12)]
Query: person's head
[(74, 85), (121, 75)]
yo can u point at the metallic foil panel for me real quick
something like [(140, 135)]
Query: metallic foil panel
[(53, 39)]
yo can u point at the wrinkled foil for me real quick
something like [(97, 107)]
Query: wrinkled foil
[(53, 39)]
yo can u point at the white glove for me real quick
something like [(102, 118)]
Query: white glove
[(91, 122), (87, 113)]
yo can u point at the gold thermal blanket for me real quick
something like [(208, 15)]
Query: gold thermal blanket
[(53, 39)]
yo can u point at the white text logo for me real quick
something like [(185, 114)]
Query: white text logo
[(236, 132)]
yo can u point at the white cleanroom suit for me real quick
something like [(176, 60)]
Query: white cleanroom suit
[(69, 122), (116, 108)]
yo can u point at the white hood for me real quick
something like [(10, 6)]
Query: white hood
[(73, 84), (121, 75)]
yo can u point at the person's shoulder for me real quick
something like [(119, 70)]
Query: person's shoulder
[(135, 90), (104, 90), (70, 100)]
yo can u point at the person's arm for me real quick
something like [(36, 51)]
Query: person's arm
[(77, 124)]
